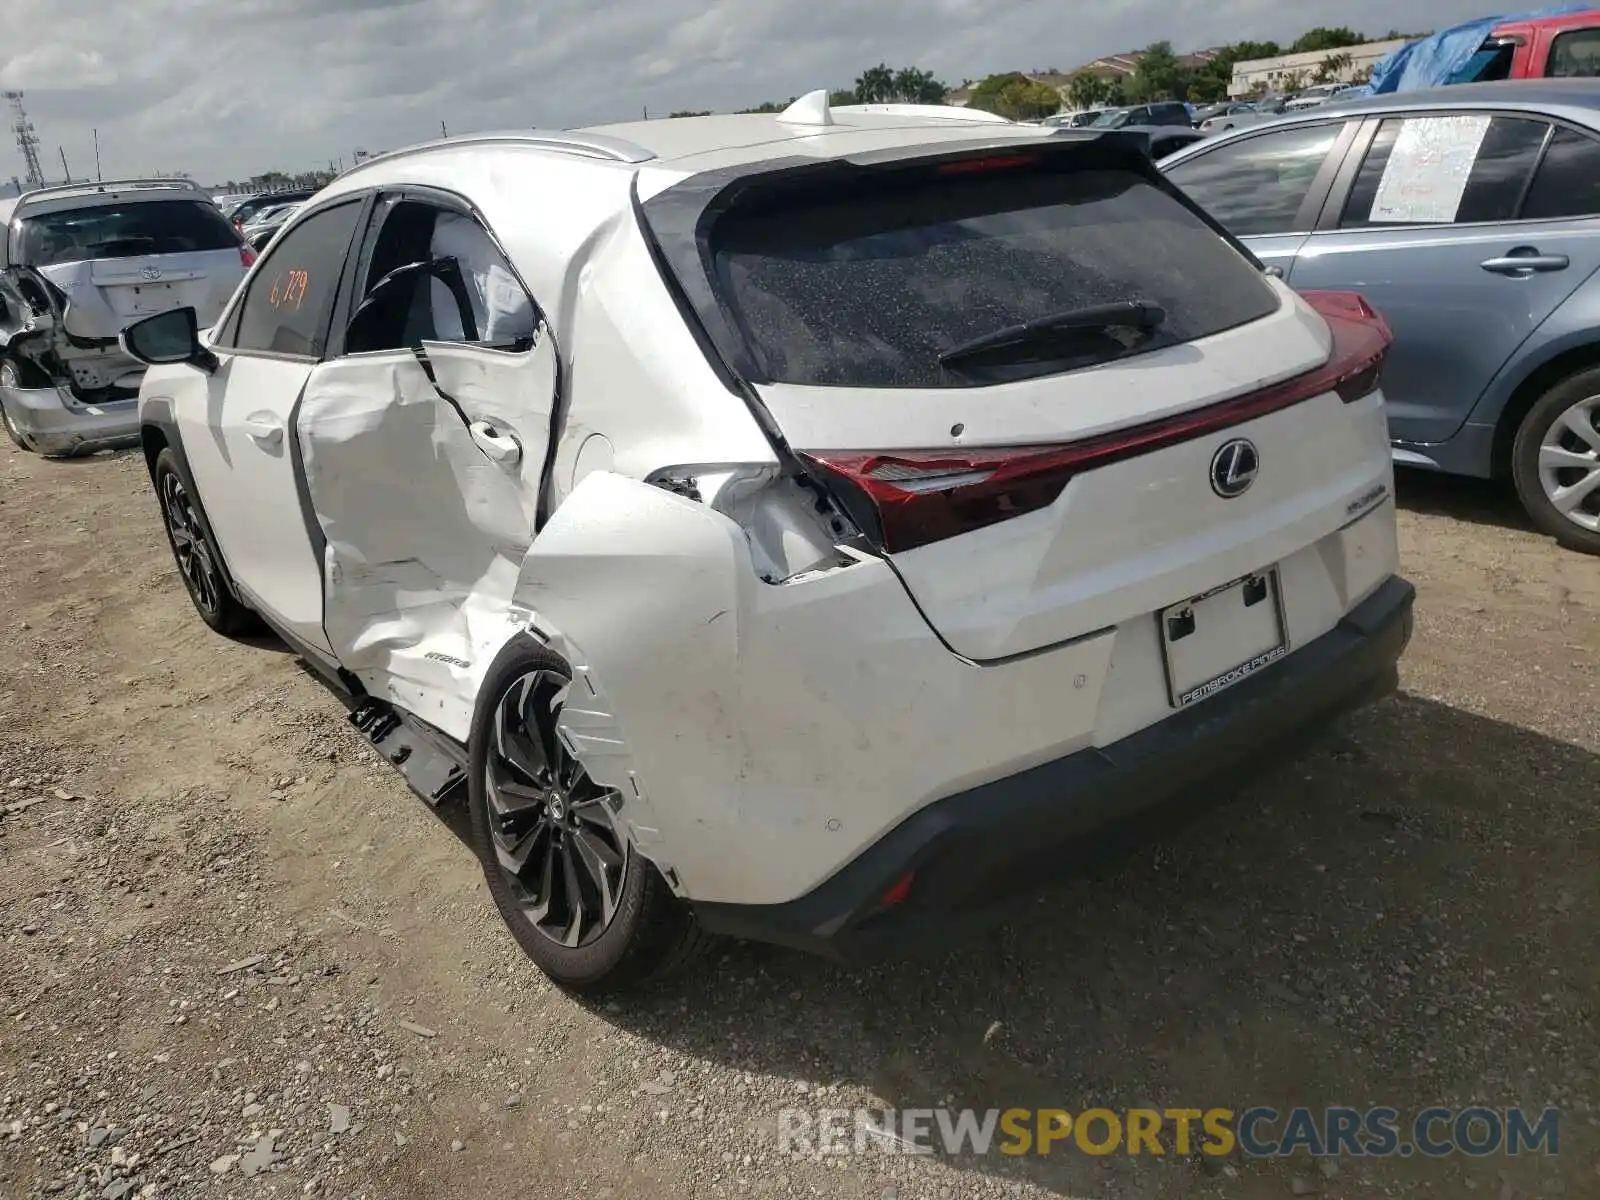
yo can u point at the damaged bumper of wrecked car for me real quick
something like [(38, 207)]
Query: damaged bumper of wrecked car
[(964, 863), (52, 421)]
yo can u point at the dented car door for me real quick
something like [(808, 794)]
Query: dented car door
[(424, 450)]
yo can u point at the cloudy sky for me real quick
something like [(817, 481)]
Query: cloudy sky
[(226, 89)]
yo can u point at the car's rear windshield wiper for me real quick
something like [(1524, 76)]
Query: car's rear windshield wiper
[(1140, 315)]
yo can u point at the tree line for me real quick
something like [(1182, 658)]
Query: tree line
[(1162, 75), (1159, 75)]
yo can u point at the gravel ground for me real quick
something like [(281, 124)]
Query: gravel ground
[(239, 959)]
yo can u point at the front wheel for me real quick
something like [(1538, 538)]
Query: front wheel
[(1555, 462), (591, 911), (196, 554)]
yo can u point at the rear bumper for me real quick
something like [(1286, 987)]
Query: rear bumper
[(52, 422), (971, 853)]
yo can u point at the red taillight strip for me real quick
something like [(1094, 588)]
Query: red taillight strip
[(1008, 482)]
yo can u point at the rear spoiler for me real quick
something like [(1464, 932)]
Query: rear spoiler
[(677, 221)]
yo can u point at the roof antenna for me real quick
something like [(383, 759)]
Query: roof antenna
[(810, 109)]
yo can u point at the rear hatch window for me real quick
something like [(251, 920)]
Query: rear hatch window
[(132, 230), (871, 287)]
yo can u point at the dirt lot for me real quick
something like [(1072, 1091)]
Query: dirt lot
[(239, 959)]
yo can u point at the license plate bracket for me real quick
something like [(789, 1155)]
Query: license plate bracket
[(1212, 641)]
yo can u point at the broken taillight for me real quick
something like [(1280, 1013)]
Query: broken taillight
[(916, 497), (247, 256)]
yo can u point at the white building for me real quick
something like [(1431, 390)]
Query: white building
[(1279, 74)]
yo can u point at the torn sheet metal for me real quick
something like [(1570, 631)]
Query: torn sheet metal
[(426, 531), (716, 690)]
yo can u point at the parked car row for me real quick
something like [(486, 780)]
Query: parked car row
[(264, 225)]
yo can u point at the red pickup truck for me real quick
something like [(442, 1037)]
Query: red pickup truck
[(1544, 47)]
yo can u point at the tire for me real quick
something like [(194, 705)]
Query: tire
[(11, 376), (1557, 449), (195, 553), (520, 821)]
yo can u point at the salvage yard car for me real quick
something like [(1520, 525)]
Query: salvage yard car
[(265, 225), (77, 263), (800, 527), (1470, 217)]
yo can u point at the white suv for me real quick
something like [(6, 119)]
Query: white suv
[(801, 527)]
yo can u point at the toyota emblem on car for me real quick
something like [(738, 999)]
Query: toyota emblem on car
[(1234, 468)]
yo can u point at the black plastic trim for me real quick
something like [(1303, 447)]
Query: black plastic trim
[(975, 852), (1331, 209)]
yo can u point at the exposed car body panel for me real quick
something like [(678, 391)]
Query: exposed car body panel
[(52, 420), (659, 597), (416, 609)]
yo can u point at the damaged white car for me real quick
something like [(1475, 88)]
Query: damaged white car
[(801, 527), (79, 262)]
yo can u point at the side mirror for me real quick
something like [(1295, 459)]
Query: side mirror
[(169, 337)]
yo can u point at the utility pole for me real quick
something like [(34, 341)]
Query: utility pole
[(98, 178)]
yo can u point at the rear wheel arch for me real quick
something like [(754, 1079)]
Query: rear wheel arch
[(153, 440), (1527, 393), (651, 933)]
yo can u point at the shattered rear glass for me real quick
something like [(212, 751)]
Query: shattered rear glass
[(868, 291)]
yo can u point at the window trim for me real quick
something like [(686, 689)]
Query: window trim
[(385, 199), (231, 317), (1340, 196), (1316, 193)]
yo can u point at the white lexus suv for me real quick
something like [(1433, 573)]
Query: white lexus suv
[(801, 527)]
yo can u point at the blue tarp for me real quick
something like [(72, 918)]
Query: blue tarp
[(1450, 55)]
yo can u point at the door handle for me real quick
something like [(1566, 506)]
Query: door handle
[(500, 445), (1525, 260), (266, 431)]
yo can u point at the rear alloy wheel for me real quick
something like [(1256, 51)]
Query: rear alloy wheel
[(196, 555), (1556, 462), (10, 378), (593, 913), (554, 828)]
